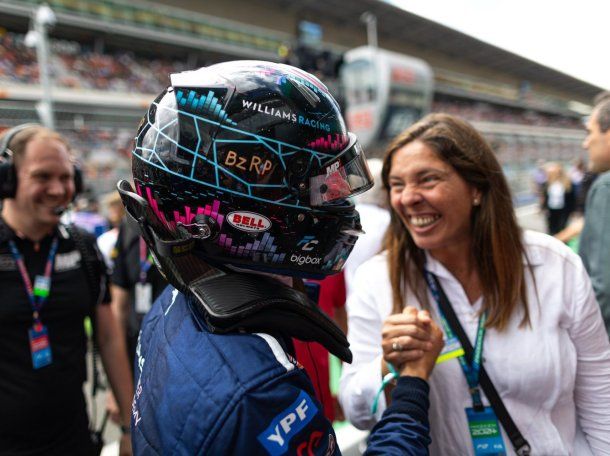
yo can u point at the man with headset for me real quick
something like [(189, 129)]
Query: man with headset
[(51, 277)]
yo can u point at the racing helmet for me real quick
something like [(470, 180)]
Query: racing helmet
[(246, 164)]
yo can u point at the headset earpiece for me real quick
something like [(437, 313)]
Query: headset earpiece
[(8, 179), (8, 174)]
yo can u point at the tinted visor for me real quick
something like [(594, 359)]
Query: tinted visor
[(342, 177)]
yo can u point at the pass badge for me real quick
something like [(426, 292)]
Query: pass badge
[(143, 297), (485, 432), (42, 286), (451, 350), (39, 346)]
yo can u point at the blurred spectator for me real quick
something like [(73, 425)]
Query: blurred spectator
[(577, 174), (595, 239), (329, 293), (539, 177), (558, 198), (113, 210), (136, 283), (86, 215)]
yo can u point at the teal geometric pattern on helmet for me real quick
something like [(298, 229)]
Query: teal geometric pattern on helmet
[(212, 114)]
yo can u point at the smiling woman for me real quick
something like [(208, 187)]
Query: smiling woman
[(447, 189), (523, 300), (432, 200)]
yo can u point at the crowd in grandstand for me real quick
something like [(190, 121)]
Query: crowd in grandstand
[(77, 65), (486, 112)]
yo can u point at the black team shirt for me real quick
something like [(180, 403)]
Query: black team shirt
[(126, 274), (42, 411)]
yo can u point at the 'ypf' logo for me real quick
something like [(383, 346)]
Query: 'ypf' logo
[(287, 424)]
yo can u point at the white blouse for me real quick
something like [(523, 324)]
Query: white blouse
[(554, 377)]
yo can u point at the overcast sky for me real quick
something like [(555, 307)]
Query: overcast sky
[(568, 35)]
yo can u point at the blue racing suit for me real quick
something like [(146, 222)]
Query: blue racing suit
[(200, 393)]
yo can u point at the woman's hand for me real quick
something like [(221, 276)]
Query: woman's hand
[(406, 337), (422, 367)]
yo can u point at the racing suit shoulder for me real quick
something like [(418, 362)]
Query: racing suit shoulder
[(204, 393)]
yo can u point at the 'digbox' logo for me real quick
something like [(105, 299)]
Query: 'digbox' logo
[(248, 221)]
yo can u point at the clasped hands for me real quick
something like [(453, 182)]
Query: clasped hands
[(411, 341)]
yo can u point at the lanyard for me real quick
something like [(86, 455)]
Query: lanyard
[(146, 261), (39, 294), (472, 370)]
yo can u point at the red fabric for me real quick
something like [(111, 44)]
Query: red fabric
[(313, 356)]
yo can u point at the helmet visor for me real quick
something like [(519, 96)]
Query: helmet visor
[(344, 176)]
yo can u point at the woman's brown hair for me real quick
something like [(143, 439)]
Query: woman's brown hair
[(497, 244)]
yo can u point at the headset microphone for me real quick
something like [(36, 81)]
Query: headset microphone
[(59, 210)]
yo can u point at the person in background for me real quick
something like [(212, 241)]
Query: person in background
[(594, 245), (52, 277), (539, 177), (114, 211), (86, 215), (523, 299), (577, 174), (558, 198), (329, 294), (136, 283)]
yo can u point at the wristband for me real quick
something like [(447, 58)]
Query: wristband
[(125, 429), (388, 378)]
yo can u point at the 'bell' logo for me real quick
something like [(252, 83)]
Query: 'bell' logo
[(248, 221)]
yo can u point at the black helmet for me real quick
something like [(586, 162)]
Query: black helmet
[(247, 164)]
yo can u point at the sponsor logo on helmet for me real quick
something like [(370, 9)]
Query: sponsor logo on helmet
[(284, 114), (308, 243), (248, 221), (305, 259), (333, 168), (280, 113)]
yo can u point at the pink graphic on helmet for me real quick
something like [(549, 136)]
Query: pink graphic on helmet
[(189, 214), (327, 142)]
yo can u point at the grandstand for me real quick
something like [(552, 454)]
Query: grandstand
[(110, 57)]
